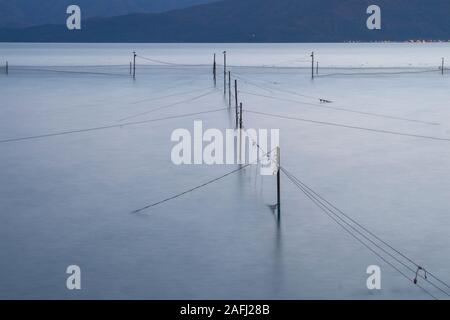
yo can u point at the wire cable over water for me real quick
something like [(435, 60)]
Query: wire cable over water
[(371, 241), (242, 167), (168, 105), (264, 66), (63, 70), (170, 95), (68, 132), (375, 73), (334, 124), (267, 87), (190, 190), (378, 115), (344, 109)]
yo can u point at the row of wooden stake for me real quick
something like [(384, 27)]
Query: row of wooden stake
[(314, 70), (239, 117)]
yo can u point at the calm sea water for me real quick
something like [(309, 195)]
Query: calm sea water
[(67, 199)]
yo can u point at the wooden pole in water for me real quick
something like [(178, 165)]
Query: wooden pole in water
[(312, 65), (7, 68), (224, 73), (317, 68), (229, 89), (278, 182), (240, 116), (236, 100), (442, 68), (134, 65), (215, 71), (240, 133), (131, 68)]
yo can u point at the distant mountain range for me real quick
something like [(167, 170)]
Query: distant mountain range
[(258, 21), (25, 13)]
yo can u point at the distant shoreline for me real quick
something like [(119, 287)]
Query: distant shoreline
[(226, 42)]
